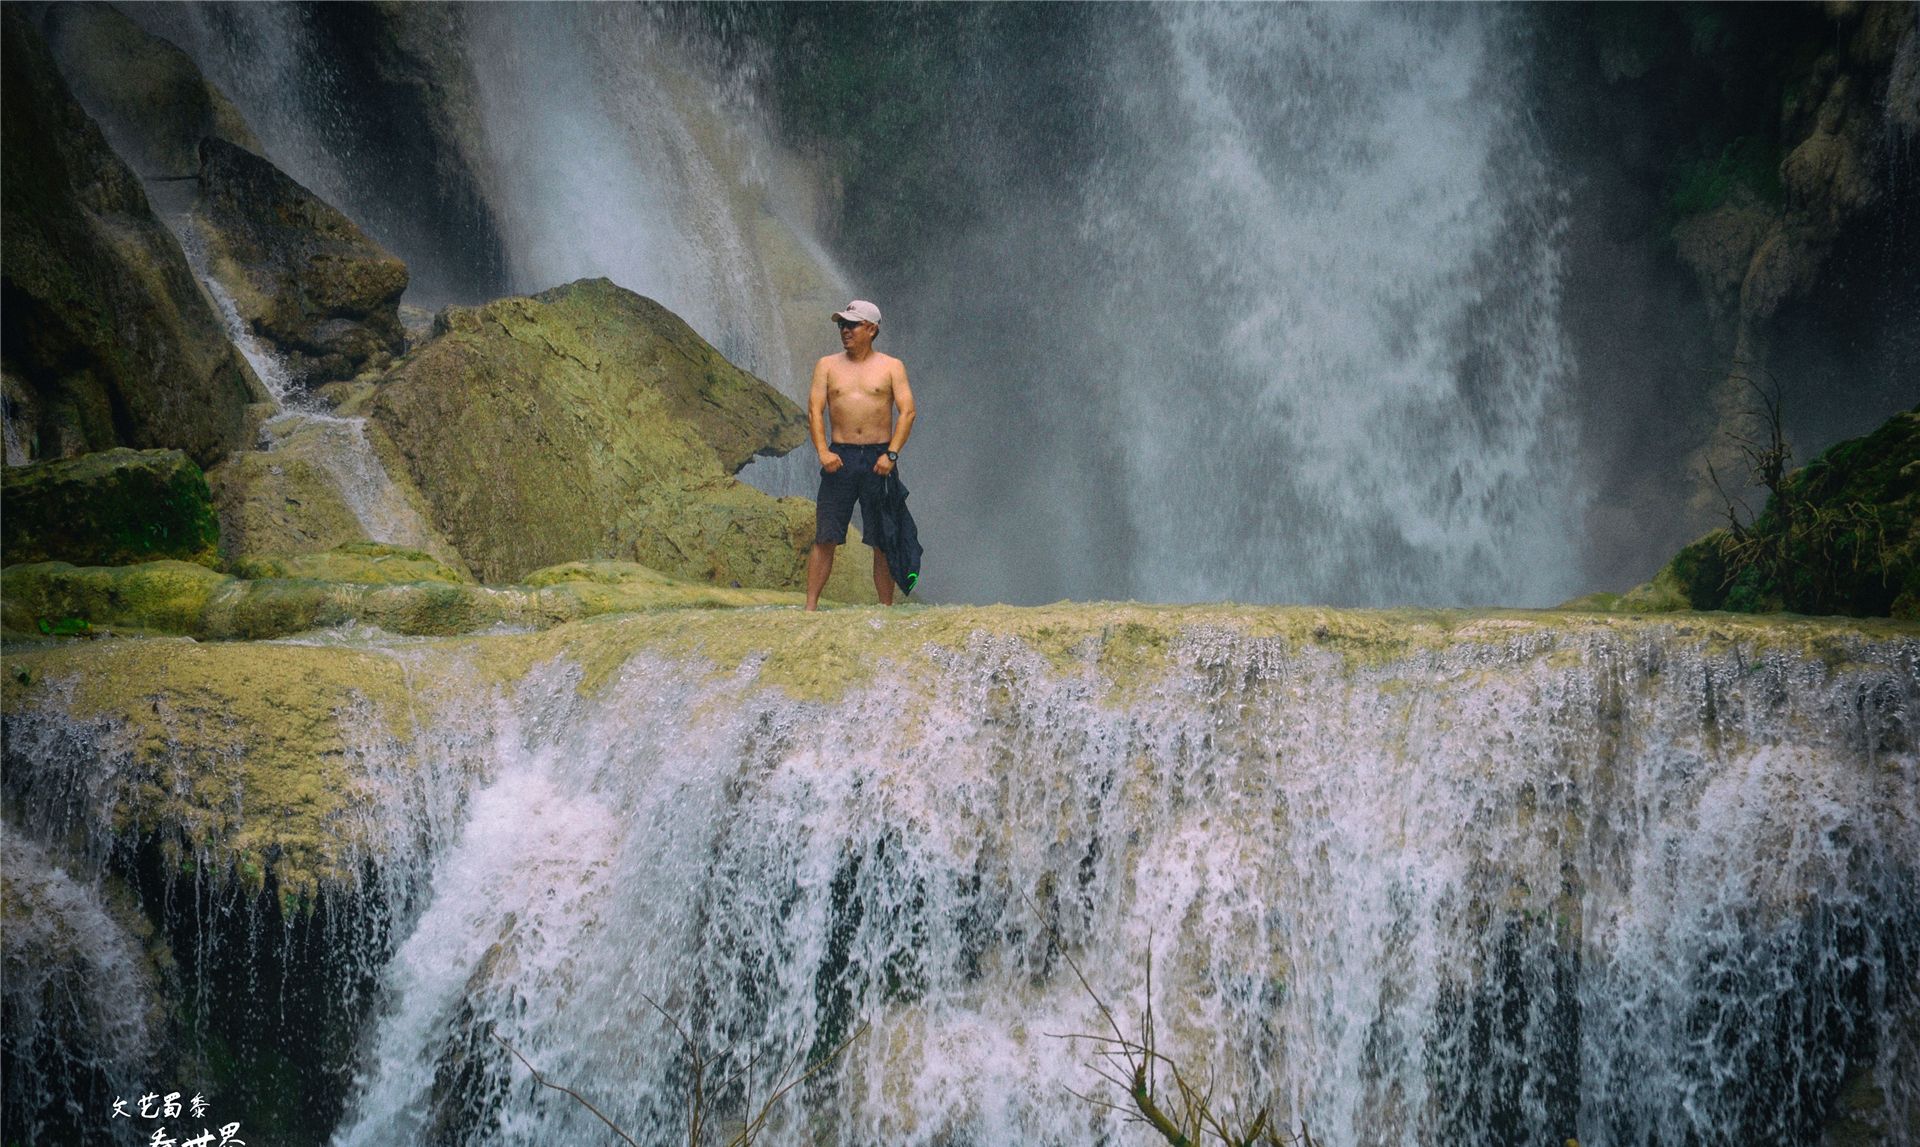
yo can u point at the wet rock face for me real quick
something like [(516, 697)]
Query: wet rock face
[(320, 483), (588, 421), (303, 276), (147, 95), (109, 508), (105, 337)]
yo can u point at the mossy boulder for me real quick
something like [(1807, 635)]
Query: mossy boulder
[(147, 95), (109, 508), (587, 422), (302, 275), (1840, 536), (101, 321), (158, 597)]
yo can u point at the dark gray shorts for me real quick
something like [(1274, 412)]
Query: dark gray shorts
[(855, 481)]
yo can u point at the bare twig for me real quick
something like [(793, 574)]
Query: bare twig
[(542, 1081), (697, 1093)]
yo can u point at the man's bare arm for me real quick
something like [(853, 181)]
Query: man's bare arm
[(817, 417), (903, 426)]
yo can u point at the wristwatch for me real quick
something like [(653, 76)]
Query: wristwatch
[(893, 456)]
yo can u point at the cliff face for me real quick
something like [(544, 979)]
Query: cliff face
[(1741, 229), (1503, 866), (108, 340)]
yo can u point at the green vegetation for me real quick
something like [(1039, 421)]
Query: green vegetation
[(1747, 168), (1839, 536), (110, 507)]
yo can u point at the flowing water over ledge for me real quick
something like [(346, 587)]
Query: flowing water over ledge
[(1412, 877)]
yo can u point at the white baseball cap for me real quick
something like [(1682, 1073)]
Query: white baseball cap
[(858, 311)]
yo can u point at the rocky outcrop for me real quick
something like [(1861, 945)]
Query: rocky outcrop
[(302, 275), (588, 421), (105, 330), (110, 507), (365, 563), (147, 95), (1842, 115)]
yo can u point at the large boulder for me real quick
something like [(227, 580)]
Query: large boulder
[(102, 325), (588, 421), (302, 275), (110, 507), (147, 95)]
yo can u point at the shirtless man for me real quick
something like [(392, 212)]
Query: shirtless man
[(859, 388)]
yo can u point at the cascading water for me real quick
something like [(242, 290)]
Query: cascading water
[(81, 1007), (338, 444), (602, 145), (1300, 284), (1632, 891), (1285, 329), (609, 151), (1500, 882), (1354, 390)]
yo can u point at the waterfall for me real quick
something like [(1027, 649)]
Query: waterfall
[(1284, 329), (338, 444), (1522, 889), (81, 1007), (601, 144), (1298, 283), (1354, 389), (610, 151), (1496, 880)]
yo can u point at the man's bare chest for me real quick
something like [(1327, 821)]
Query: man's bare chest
[(860, 386)]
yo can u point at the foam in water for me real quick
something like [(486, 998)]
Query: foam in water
[(80, 999)]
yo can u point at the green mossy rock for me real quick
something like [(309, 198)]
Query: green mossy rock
[(399, 591), (303, 276), (147, 95), (1842, 537), (587, 422), (287, 725), (158, 597), (101, 321), (366, 563), (109, 508)]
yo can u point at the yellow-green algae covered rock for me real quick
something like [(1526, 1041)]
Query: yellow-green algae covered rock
[(260, 749), (163, 597), (587, 422), (369, 563), (292, 497), (1126, 646), (400, 591), (247, 750)]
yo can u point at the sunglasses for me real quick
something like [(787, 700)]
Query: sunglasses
[(847, 326)]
